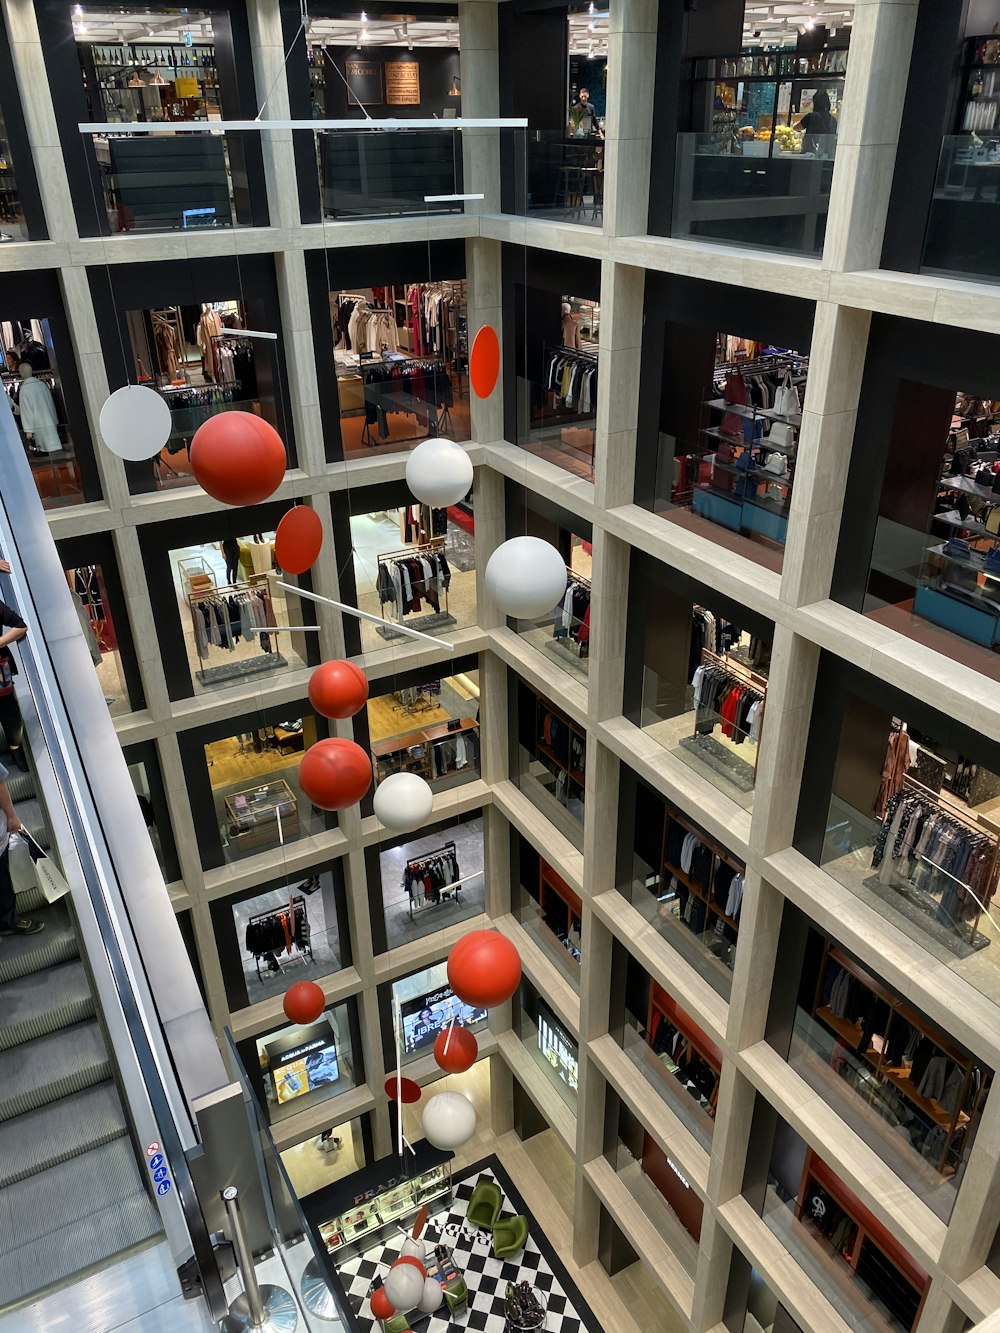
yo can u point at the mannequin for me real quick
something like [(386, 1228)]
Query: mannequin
[(570, 328), (37, 410)]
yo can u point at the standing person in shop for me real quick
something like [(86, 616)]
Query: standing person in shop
[(817, 123), (231, 550), (10, 922), (10, 714), (583, 122)]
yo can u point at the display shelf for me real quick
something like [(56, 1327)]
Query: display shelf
[(393, 755), (738, 442), (768, 413), (252, 815)]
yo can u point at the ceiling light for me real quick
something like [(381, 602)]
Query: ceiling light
[(364, 17), (810, 24)]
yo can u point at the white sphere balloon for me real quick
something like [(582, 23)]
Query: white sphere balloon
[(526, 577), (432, 1297), (403, 801), (449, 1120), (415, 1248), (404, 1285), (135, 423), (439, 473)]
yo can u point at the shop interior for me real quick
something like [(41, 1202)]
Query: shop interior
[(433, 882), (227, 591), (33, 386), (198, 360), (684, 882), (427, 1005), (300, 1066), (430, 728), (386, 546), (93, 608), (935, 565), (552, 755), (906, 1087), (334, 1154), (562, 337), (255, 785), (703, 681), (548, 908), (402, 360), (159, 65), (13, 226), (288, 934), (564, 636), (726, 470), (550, 1045), (914, 831)]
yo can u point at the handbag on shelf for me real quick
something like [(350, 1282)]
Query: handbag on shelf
[(753, 429), (734, 395), (782, 433), (722, 480), (786, 400)]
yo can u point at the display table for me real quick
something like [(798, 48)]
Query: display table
[(524, 1308), (378, 1202), (413, 752), (252, 815)]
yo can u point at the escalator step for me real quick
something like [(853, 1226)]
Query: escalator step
[(91, 1242), (20, 785), (22, 954), (50, 1068), (44, 1002), (32, 1143)]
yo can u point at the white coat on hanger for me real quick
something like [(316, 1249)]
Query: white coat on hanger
[(37, 410)]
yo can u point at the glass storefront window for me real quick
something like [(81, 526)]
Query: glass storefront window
[(550, 911), (564, 637), (288, 934), (428, 1005), (432, 882), (226, 590), (659, 1189), (148, 784), (34, 386), (335, 1153), (402, 362), (546, 1039), (301, 1066), (90, 597), (552, 761), (902, 1084), (685, 883), (414, 566), (12, 224), (195, 357), (558, 385), (431, 729)]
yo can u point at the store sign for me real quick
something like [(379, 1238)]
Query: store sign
[(425, 1016), (402, 83), (364, 82), (301, 1067)]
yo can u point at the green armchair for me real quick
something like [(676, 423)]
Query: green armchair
[(484, 1206), (399, 1323), (456, 1295), (509, 1236)]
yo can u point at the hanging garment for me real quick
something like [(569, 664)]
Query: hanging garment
[(38, 414)]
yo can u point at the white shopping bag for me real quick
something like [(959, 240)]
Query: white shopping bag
[(49, 877), (22, 868)]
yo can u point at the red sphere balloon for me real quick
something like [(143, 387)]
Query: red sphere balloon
[(484, 363), (455, 1050), (237, 458), (335, 773), (404, 1091), (338, 689), (381, 1309), (298, 539), (304, 1002), (484, 969)]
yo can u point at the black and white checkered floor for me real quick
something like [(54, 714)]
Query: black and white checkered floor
[(485, 1276)]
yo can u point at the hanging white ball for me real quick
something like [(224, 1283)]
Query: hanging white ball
[(403, 802), (404, 1285), (432, 1297), (415, 1248), (439, 473), (449, 1120), (526, 577), (135, 423)]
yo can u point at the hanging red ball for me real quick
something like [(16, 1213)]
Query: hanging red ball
[(237, 458), (455, 1050), (381, 1309), (405, 1090), (338, 689), (304, 1003), (335, 773), (484, 969), (298, 539)]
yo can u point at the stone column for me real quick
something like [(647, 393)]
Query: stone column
[(269, 77), (629, 119)]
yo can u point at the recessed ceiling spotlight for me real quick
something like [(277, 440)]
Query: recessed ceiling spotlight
[(810, 24)]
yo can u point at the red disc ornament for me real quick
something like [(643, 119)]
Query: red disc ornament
[(338, 689), (298, 539), (455, 1050), (237, 458), (381, 1309), (484, 969), (407, 1091), (484, 363), (335, 773), (303, 1003)]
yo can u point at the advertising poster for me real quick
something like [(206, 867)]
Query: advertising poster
[(402, 83), (302, 1068), (425, 1016), (364, 82)]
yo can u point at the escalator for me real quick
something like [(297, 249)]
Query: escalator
[(72, 1195)]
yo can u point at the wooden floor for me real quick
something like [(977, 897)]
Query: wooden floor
[(386, 718), (229, 766)]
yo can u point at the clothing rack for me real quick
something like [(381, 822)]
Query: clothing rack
[(417, 864), (561, 631), (219, 593), (297, 907), (744, 675), (433, 547), (443, 421)]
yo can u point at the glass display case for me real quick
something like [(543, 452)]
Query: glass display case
[(253, 816)]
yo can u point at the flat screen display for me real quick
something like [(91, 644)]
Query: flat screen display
[(307, 1066), (425, 1015)]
